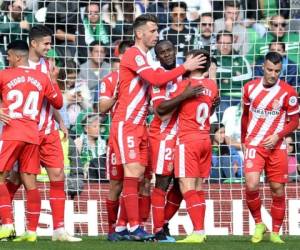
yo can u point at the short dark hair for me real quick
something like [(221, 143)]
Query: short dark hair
[(39, 31), (235, 4), (277, 42), (178, 4), (115, 60), (197, 52), (123, 45), (224, 33), (160, 42), (143, 19), (95, 43), (209, 14), (19, 45), (273, 57)]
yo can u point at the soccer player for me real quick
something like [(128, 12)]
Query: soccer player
[(129, 135), (107, 102), (162, 140), (193, 150), (22, 92), (270, 112), (50, 148)]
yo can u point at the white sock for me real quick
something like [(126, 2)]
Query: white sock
[(199, 232), (120, 228), (31, 232), (133, 228), (59, 230), (11, 226)]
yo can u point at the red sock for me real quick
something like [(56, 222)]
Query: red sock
[(112, 208), (5, 205), (131, 200), (277, 212), (254, 204), (144, 206), (201, 196), (122, 220), (12, 189), (174, 198), (158, 208), (194, 208), (57, 203), (33, 209)]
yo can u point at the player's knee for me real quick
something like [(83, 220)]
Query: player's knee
[(162, 182), (252, 186), (56, 174), (115, 188), (277, 188)]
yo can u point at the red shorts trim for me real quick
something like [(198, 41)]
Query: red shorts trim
[(274, 162), (162, 155), (51, 152), (193, 159), (26, 154)]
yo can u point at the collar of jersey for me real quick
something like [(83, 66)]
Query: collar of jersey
[(269, 89)]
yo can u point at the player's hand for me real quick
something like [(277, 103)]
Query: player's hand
[(194, 91), (54, 71), (64, 129), (270, 141), (5, 118), (193, 63), (216, 101)]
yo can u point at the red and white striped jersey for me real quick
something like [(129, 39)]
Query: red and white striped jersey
[(133, 102), (269, 109), (47, 123), (108, 88), (158, 128)]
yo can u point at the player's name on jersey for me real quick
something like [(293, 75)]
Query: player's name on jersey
[(22, 79), (264, 112)]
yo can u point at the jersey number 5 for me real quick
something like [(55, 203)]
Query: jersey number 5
[(30, 108), (202, 114)]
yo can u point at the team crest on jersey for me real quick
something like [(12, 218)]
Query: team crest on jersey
[(293, 101), (249, 164), (139, 60), (155, 89), (276, 104), (102, 88), (170, 167), (132, 154)]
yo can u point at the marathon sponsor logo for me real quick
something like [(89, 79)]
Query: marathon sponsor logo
[(264, 112)]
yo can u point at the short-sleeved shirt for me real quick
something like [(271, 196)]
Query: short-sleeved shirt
[(22, 92), (194, 113), (269, 109)]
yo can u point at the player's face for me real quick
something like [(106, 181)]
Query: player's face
[(166, 54), (271, 73), (149, 34), (42, 45), (12, 58)]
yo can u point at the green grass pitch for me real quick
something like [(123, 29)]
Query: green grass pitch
[(213, 243)]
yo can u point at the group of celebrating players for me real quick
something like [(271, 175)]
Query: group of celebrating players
[(176, 146)]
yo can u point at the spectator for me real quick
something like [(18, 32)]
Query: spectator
[(226, 164), (179, 32), (14, 22), (233, 71), (94, 28), (232, 23), (289, 72), (277, 31), (95, 68), (195, 8), (160, 8), (90, 145), (232, 122), (293, 167), (206, 38)]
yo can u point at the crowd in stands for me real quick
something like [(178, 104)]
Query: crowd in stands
[(236, 33)]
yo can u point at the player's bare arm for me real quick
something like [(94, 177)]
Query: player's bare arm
[(106, 104), (61, 123)]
